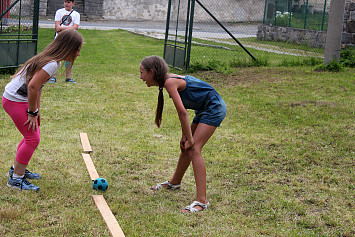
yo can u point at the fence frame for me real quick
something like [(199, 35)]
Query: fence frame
[(16, 50), (178, 56)]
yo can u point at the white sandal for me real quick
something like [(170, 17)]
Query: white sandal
[(192, 208), (166, 185)]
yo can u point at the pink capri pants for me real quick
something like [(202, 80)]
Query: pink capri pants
[(30, 141)]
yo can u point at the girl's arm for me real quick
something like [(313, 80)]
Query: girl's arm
[(172, 89), (34, 93)]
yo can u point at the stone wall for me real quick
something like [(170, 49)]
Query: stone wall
[(348, 37), (311, 37)]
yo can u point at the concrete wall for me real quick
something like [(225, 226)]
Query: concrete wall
[(156, 10), (231, 10), (135, 9)]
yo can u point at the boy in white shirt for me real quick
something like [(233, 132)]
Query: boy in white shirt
[(66, 18)]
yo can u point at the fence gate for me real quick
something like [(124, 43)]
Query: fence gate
[(179, 32), (180, 24), (18, 31)]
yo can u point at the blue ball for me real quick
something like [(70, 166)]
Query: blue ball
[(100, 184)]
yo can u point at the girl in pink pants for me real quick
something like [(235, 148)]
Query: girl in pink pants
[(22, 96)]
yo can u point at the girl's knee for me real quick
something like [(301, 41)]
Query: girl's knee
[(193, 151), (33, 141)]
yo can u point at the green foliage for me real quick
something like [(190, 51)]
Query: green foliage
[(7, 70), (226, 67), (282, 19), (332, 66), (298, 20), (347, 57), (301, 61), (249, 63), (211, 65), (15, 28)]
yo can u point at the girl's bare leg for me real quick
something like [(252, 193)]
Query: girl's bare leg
[(201, 135), (183, 163), (19, 168)]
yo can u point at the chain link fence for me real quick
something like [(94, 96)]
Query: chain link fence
[(302, 14), (224, 35)]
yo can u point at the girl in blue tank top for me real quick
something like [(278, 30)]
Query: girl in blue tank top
[(187, 92)]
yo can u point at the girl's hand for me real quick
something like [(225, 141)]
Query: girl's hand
[(32, 123), (182, 142), (189, 144)]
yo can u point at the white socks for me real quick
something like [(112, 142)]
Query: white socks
[(16, 176)]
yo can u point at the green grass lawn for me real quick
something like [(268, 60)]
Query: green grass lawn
[(281, 164)]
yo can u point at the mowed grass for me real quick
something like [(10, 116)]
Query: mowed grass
[(281, 164)]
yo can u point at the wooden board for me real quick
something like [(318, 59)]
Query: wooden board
[(85, 142), (109, 218), (90, 166)]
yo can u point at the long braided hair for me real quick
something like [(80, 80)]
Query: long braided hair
[(160, 72)]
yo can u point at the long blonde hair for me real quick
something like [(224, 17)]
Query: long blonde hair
[(63, 47), (160, 69)]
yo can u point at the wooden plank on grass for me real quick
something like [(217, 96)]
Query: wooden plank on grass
[(85, 142), (109, 218), (90, 166)]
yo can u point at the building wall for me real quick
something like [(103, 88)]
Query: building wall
[(88, 9), (135, 9), (156, 10)]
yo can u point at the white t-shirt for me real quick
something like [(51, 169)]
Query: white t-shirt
[(62, 14), (16, 90)]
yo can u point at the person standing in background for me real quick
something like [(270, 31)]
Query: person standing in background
[(66, 18)]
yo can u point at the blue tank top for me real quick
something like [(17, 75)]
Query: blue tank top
[(196, 94)]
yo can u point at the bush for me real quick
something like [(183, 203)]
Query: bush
[(8, 70), (347, 57), (332, 66)]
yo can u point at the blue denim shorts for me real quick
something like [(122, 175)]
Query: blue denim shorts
[(213, 113), (67, 64)]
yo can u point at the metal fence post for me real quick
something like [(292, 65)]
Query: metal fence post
[(264, 12), (325, 5), (35, 22), (167, 27), (190, 34), (305, 15), (289, 11)]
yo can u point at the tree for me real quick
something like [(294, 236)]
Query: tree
[(334, 32)]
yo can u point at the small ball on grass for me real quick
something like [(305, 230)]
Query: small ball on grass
[(100, 184)]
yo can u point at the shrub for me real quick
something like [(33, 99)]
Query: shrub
[(347, 57), (332, 66)]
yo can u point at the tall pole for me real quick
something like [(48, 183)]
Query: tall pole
[(334, 32)]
